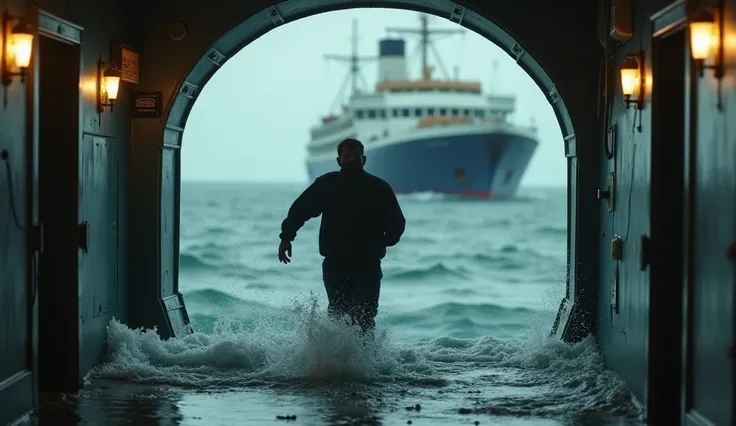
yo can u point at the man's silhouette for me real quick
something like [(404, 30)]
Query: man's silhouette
[(360, 218)]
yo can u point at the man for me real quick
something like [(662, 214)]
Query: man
[(360, 218)]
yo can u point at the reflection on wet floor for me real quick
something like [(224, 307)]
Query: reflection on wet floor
[(105, 402)]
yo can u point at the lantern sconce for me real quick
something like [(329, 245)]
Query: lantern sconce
[(632, 80), (108, 84), (705, 40), (17, 47)]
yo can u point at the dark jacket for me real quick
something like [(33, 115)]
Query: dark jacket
[(360, 215)]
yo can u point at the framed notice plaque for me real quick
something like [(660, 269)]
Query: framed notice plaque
[(147, 104), (128, 60)]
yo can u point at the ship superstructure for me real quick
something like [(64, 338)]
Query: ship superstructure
[(427, 134)]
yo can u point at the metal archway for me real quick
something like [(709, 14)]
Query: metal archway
[(231, 41)]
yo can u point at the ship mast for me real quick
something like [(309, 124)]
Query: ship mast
[(426, 42), (354, 61)]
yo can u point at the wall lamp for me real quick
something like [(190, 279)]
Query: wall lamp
[(108, 84), (16, 48), (705, 41), (632, 81)]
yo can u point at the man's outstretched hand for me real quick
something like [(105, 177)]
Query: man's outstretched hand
[(285, 252)]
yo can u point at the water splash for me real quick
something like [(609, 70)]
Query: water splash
[(532, 376)]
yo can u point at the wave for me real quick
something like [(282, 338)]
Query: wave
[(454, 309), (191, 262), (466, 320), (509, 257), (449, 347), (418, 239), (552, 230), (206, 246), (477, 258), (224, 301), (262, 352), (219, 298), (214, 263), (437, 270), (205, 262), (314, 351), (208, 306), (218, 230)]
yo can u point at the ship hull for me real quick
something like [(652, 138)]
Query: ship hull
[(479, 165)]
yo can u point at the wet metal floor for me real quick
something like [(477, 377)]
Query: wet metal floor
[(107, 402)]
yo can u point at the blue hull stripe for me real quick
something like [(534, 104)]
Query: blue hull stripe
[(491, 164)]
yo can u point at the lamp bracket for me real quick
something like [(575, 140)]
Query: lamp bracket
[(101, 104)]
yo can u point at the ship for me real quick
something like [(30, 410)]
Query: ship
[(425, 135)]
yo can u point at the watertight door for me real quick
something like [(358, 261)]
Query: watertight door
[(98, 261)]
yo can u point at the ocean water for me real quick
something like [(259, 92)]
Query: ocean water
[(467, 302)]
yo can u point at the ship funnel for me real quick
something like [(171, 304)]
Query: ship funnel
[(391, 60)]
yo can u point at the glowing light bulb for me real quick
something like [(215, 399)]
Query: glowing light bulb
[(111, 80), (21, 46), (702, 39), (630, 76)]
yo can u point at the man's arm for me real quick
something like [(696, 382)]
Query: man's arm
[(395, 221), (308, 205)]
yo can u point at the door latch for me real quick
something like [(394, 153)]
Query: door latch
[(83, 236), (609, 194)]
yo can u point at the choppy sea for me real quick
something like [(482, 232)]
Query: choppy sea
[(467, 302)]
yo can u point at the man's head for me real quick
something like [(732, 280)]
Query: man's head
[(350, 154)]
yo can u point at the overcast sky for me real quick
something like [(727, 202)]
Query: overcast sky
[(251, 121)]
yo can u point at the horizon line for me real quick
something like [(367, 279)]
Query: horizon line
[(302, 182)]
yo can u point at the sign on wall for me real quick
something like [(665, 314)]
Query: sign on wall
[(147, 104), (128, 61)]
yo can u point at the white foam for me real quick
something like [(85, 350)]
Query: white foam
[(315, 348), (562, 378)]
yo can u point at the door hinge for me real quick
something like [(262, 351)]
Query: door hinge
[(646, 252), (37, 238), (84, 236)]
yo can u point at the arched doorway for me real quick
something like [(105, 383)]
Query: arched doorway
[(233, 40)]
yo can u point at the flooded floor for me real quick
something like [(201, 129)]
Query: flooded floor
[(326, 373), (106, 402)]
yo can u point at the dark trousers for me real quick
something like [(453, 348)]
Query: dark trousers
[(353, 289)]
